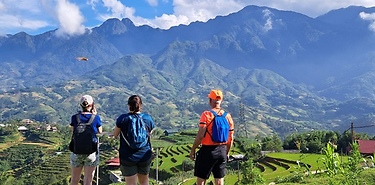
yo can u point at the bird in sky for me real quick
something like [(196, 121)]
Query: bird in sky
[(82, 58)]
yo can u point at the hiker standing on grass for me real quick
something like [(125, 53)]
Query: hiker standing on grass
[(134, 129), (79, 161), (213, 154)]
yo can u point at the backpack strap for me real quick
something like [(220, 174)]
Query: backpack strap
[(213, 112), (215, 115), (122, 134), (127, 142), (90, 120), (78, 118)]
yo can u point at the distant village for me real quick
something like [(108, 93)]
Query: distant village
[(26, 124)]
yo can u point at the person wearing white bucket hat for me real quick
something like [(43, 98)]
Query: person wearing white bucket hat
[(79, 158)]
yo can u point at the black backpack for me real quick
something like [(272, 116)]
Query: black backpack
[(82, 137)]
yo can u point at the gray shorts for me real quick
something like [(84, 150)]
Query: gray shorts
[(78, 160), (131, 168)]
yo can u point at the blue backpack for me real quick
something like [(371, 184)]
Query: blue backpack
[(220, 128), (137, 135)]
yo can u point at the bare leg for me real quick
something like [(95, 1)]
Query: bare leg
[(75, 175), (143, 179), (88, 174), (131, 180), (219, 181), (201, 181)]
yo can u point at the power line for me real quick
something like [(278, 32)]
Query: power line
[(352, 127), (365, 126)]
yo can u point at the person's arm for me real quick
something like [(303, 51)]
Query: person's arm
[(150, 125), (100, 130), (231, 134), (197, 141), (99, 126), (230, 142), (72, 123), (93, 110), (116, 131)]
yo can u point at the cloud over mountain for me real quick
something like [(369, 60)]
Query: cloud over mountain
[(370, 17)]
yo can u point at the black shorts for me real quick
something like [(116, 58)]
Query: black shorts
[(129, 168), (211, 159)]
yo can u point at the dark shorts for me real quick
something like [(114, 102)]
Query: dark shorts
[(129, 168), (211, 159)]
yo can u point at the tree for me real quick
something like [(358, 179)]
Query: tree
[(4, 166), (8, 130), (250, 174), (157, 132), (272, 143)]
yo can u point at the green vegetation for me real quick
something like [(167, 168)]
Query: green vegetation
[(40, 156)]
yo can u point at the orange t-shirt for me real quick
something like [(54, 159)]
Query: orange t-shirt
[(205, 121)]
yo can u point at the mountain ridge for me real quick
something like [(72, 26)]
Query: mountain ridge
[(289, 71)]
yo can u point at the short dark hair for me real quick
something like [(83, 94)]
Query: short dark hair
[(135, 103)]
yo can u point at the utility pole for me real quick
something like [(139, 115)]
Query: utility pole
[(352, 131), (97, 167), (238, 170), (242, 117), (183, 170), (157, 165)]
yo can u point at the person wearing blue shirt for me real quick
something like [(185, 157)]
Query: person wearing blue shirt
[(85, 162), (135, 163)]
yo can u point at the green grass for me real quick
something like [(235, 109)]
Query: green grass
[(159, 143), (311, 159), (270, 175)]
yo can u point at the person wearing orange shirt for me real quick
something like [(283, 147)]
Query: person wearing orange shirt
[(212, 156)]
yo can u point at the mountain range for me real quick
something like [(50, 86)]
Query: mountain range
[(281, 71)]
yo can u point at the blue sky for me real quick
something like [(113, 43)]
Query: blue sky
[(71, 17)]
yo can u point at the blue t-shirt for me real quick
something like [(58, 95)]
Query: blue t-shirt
[(125, 152), (96, 123)]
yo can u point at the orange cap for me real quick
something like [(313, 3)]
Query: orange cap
[(216, 95)]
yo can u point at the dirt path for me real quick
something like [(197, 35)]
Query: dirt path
[(4, 146), (39, 144)]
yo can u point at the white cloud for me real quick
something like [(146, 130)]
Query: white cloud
[(370, 17), (204, 10), (166, 21), (21, 15), (28, 15), (152, 2), (117, 10), (267, 15), (312, 8), (367, 16), (15, 22), (70, 19), (187, 11), (92, 3), (2, 6)]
